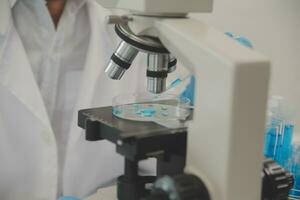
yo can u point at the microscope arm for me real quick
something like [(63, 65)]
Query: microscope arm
[(225, 140)]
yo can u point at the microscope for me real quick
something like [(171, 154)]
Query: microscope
[(219, 156)]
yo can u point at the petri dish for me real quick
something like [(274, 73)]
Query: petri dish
[(166, 109)]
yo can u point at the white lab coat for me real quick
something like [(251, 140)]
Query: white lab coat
[(28, 153)]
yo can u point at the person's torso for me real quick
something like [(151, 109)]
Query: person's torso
[(57, 57), (96, 89)]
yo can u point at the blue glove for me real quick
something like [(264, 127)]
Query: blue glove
[(68, 198)]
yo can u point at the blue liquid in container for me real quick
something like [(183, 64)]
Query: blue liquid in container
[(295, 170), (278, 143), (116, 111), (151, 112), (147, 112), (270, 142), (285, 147), (295, 192)]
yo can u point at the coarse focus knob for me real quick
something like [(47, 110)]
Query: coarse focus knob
[(277, 182), (180, 187)]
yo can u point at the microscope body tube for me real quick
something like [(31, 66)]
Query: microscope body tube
[(121, 60), (157, 72)]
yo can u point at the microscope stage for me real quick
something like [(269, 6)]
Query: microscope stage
[(135, 140), (113, 128)]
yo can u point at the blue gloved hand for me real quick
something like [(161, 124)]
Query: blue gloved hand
[(189, 91), (68, 198)]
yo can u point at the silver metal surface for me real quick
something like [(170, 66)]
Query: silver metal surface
[(114, 71), (124, 52), (156, 85), (157, 63), (125, 30)]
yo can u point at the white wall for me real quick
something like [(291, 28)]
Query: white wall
[(274, 28)]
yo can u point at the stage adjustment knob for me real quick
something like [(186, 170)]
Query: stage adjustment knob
[(181, 187)]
